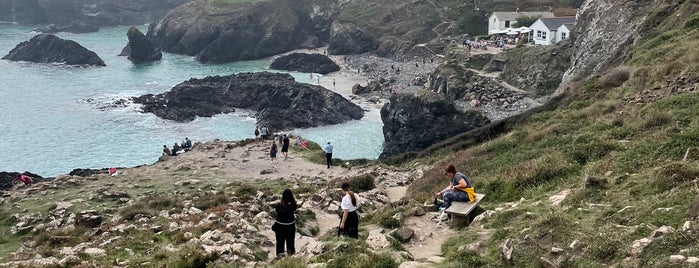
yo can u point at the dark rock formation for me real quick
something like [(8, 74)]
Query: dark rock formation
[(86, 12), (281, 103), (306, 63), (46, 48), (414, 123), (347, 38), (72, 28), (373, 86), (7, 177), (140, 49), (219, 32)]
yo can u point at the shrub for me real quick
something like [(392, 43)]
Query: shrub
[(245, 192), (208, 201), (386, 221), (290, 262), (149, 206), (672, 175), (362, 183), (614, 78), (692, 22), (657, 119)]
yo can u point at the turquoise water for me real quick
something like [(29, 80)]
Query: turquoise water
[(54, 117)]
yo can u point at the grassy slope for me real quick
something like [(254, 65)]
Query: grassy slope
[(612, 150)]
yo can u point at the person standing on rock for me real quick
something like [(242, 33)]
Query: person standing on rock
[(285, 226), (349, 225), (329, 154), (273, 151), (285, 146)]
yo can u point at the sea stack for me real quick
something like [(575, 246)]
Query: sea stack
[(47, 48), (140, 49)]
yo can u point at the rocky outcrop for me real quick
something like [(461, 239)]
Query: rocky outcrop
[(219, 32), (347, 38), (305, 63), (46, 48), (603, 37), (537, 69), (94, 13), (140, 49), (72, 28), (414, 123), (281, 103)]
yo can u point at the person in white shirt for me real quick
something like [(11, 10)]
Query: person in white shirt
[(349, 226)]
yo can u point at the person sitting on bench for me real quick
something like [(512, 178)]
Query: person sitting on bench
[(459, 188)]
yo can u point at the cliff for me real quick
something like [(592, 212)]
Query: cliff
[(85, 12)]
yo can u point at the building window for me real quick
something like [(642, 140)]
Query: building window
[(541, 35), (564, 35), (507, 23)]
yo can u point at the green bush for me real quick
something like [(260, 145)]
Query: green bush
[(290, 262), (362, 183), (386, 221), (692, 22), (246, 192), (207, 201)]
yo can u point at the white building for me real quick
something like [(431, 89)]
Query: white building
[(546, 31), (499, 21)]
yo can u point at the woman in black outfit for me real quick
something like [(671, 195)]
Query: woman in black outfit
[(285, 226)]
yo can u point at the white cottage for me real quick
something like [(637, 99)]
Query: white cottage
[(499, 21), (546, 31)]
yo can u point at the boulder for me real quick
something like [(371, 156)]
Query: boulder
[(404, 234), (140, 49), (7, 177), (413, 123), (281, 103), (305, 63), (47, 48)]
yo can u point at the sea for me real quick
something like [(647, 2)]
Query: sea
[(55, 118)]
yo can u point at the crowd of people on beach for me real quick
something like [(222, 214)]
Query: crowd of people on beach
[(183, 147)]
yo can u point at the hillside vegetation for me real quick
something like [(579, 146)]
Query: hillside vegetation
[(623, 146)]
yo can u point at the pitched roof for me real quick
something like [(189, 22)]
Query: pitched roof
[(511, 16), (554, 23)]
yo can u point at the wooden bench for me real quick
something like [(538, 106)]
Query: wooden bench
[(460, 211)]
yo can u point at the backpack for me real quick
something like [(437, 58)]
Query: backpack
[(257, 132)]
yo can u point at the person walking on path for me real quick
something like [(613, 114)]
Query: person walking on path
[(285, 225), (273, 151), (285, 146), (257, 134), (349, 225), (329, 154)]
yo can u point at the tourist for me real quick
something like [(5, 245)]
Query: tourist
[(257, 134), (285, 225), (459, 188), (349, 225), (303, 144), (175, 149), (187, 144), (333, 83), (329, 154), (264, 132), (273, 151), (22, 178), (285, 146), (166, 151), (112, 171)]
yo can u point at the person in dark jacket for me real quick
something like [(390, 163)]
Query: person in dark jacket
[(285, 226)]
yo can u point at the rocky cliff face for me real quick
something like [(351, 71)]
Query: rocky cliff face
[(413, 123), (603, 36), (306, 63), (218, 33), (281, 103), (46, 48), (537, 70), (89, 12)]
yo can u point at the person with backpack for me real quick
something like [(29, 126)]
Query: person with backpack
[(349, 225), (257, 134), (285, 225)]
